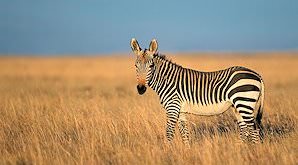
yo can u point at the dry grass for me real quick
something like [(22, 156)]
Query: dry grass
[(76, 110)]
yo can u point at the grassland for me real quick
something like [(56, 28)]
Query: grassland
[(86, 110)]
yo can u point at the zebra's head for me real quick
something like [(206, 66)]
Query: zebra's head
[(144, 63)]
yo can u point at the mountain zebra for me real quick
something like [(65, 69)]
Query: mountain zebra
[(183, 91)]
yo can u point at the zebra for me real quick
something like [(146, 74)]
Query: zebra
[(185, 91)]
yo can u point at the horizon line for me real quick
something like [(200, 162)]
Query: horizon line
[(294, 51)]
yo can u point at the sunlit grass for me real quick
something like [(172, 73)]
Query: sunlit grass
[(87, 111)]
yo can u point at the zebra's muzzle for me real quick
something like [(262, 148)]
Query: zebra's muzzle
[(141, 89)]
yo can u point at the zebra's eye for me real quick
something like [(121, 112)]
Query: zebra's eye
[(135, 65), (151, 65)]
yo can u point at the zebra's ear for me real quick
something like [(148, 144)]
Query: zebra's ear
[(153, 46), (135, 46)]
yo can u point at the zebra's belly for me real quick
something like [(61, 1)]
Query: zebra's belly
[(211, 109)]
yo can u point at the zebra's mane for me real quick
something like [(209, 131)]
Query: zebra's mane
[(165, 58), (162, 56)]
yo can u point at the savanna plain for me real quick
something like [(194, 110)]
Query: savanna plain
[(86, 110)]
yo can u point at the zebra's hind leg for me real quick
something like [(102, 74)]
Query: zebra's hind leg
[(183, 129), (244, 132), (248, 132), (260, 129), (242, 126), (247, 126), (253, 132)]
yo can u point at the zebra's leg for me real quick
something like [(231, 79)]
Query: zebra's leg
[(244, 131), (259, 126), (246, 121), (183, 129), (254, 132), (242, 126), (172, 118), (249, 119)]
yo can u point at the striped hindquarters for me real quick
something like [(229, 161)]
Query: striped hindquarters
[(244, 90)]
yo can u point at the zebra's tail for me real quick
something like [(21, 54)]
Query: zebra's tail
[(260, 111)]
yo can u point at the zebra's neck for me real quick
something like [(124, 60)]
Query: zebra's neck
[(163, 74)]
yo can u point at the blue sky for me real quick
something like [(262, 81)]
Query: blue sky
[(106, 26)]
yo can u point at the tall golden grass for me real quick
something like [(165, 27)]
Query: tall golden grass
[(86, 110)]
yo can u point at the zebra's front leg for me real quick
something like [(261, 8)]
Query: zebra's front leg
[(172, 118), (183, 129)]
